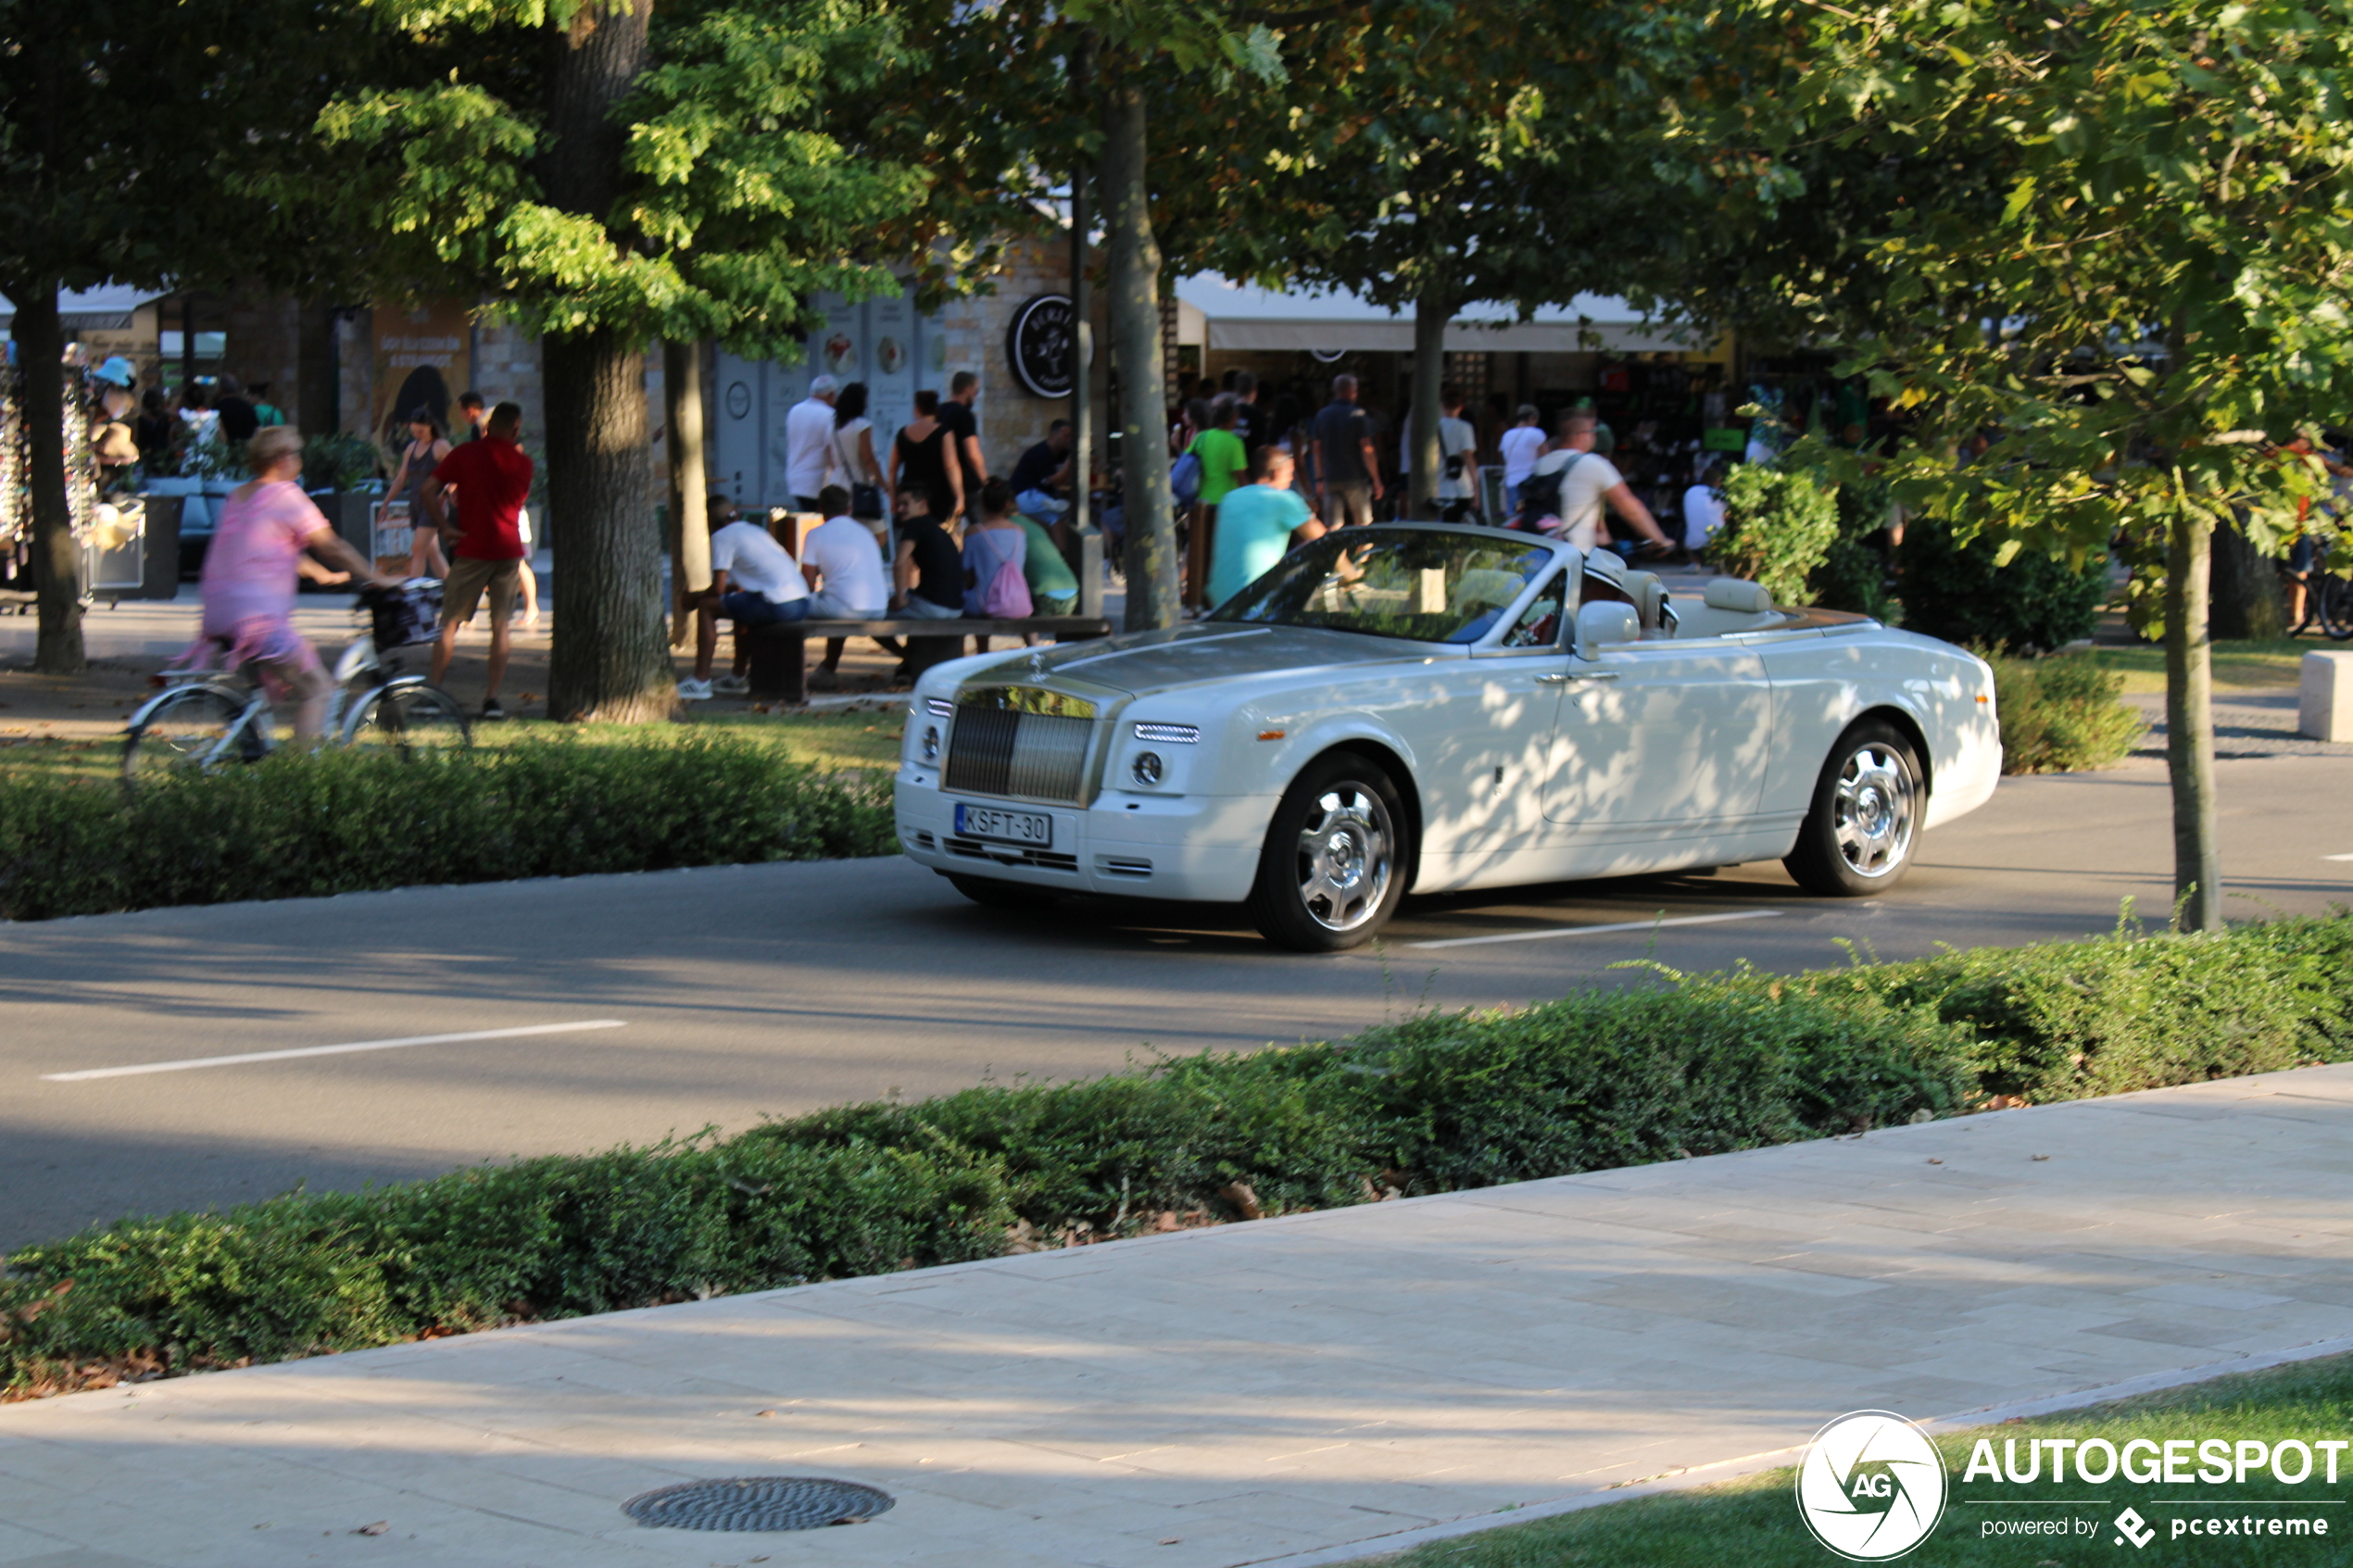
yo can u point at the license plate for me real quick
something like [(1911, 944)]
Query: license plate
[(1033, 830)]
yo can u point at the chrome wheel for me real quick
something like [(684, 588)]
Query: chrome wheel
[(1346, 857), (1875, 804)]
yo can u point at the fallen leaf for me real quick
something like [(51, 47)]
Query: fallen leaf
[(378, 1529), (1239, 1195), (1170, 1540), (1167, 1221), (2041, 1157), (763, 1412), (1935, 1161)]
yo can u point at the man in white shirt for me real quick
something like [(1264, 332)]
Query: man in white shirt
[(1457, 459), (1521, 446), (754, 581), (843, 565), (808, 442), (1587, 481), (1704, 509)]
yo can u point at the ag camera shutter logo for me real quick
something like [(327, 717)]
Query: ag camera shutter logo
[(1871, 1486)]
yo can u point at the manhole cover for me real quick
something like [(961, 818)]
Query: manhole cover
[(757, 1502)]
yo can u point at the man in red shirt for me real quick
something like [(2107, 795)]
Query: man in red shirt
[(493, 479)]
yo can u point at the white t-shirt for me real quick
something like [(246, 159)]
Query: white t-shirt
[(1520, 444), (1702, 515), (1455, 435), (849, 461), (849, 563), (1591, 476), (809, 446), (752, 559)]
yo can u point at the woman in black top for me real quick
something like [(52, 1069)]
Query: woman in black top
[(929, 573), (919, 460)]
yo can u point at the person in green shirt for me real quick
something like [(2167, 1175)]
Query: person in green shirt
[(1257, 523), (1225, 466), (1053, 589)]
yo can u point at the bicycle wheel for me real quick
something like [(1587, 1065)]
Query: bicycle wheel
[(191, 731), (2334, 605), (408, 718)]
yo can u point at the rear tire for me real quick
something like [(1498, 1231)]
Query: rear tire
[(2334, 607), (1859, 836), (182, 735), (991, 893), (1333, 867)]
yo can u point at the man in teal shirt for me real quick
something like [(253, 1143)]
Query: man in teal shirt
[(1256, 525)]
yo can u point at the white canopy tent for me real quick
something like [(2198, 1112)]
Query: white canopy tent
[(1217, 313)]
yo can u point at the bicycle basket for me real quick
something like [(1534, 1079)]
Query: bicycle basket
[(410, 615)]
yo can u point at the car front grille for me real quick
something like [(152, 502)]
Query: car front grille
[(1021, 743), (1011, 855)]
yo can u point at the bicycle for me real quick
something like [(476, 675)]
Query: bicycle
[(209, 718), (2328, 598)]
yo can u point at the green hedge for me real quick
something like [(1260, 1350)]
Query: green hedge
[(2060, 714), (1686, 1066), (295, 825)]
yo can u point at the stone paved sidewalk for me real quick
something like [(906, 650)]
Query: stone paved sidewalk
[(1260, 1390)]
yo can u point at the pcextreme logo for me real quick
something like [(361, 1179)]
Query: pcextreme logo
[(1871, 1486)]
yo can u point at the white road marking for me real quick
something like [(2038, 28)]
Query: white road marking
[(2338, 857), (326, 1050), (1596, 930)]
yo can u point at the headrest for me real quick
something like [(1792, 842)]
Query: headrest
[(1738, 595)]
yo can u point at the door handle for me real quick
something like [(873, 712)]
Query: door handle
[(1562, 680)]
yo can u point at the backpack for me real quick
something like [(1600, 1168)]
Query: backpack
[(1540, 495), (1007, 596), (1184, 478)]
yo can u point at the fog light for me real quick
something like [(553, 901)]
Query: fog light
[(1145, 769), (931, 743)]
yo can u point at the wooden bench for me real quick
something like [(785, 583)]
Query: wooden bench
[(778, 653)]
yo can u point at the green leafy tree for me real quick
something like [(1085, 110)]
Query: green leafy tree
[(606, 172), (135, 141), (2115, 236)]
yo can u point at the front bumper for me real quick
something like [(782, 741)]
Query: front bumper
[(1135, 845)]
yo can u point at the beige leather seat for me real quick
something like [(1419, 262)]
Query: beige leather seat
[(1739, 595), (1649, 594)]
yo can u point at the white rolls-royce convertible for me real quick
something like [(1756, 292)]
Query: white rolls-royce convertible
[(1418, 706)]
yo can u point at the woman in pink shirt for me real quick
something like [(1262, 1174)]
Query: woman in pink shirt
[(249, 573)]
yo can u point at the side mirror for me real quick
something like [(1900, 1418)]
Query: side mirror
[(1605, 622)]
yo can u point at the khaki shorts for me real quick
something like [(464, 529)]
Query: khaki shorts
[(462, 591)]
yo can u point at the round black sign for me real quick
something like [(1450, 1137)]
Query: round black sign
[(1039, 345)]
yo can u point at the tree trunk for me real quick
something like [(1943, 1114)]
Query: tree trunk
[(607, 661), (1431, 312), (689, 517), (1150, 552), (2247, 589), (57, 557), (1082, 313), (316, 406), (2189, 722)]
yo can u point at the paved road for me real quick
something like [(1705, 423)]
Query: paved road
[(744, 991)]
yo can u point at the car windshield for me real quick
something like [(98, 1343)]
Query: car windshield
[(1425, 587)]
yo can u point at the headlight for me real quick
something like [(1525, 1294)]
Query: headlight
[(1145, 769), (931, 743)]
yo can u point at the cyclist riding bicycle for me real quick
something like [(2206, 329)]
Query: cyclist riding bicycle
[(249, 575)]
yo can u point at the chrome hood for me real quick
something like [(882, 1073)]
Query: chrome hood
[(1138, 662)]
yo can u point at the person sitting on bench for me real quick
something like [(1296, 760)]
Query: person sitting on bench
[(754, 581), (843, 568)]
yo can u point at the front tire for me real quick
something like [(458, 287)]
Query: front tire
[(1859, 835), (408, 719), (1334, 863)]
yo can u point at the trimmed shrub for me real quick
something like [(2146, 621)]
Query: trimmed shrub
[(2060, 714), (297, 825), (1957, 592), (1779, 525), (1601, 1079)]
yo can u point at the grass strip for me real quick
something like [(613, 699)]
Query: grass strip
[(1692, 1066), (1755, 1521), (297, 826)]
